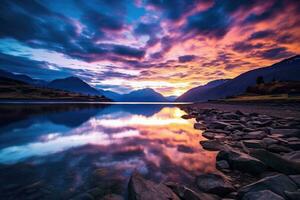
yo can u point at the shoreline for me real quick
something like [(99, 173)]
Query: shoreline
[(258, 155), (276, 109)]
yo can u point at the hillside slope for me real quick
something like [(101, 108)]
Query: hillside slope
[(286, 70)]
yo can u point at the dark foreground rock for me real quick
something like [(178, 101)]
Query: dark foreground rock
[(293, 195), (112, 197), (259, 153), (212, 145), (214, 183), (276, 161), (277, 184), (241, 161), (142, 189), (262, 195), (186, 193)]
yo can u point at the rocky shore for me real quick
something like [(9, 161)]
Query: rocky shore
[(258, 159)]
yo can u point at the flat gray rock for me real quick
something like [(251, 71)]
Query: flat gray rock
[(218, 125), (142, 189), (208, 135), (199, 126), (186, 193), (222, 165), (277, 184), (293, 195), (214, 183), (112, 197), (277, 162), (294, 155), (296, 179), (278, 148), (262, 195), (211, 145), (268, 141), (255, 135), (241, 161), (253, 143)]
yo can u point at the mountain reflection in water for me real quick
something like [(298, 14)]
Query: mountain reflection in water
[(69, 149)]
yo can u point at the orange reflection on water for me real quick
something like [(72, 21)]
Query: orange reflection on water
[(161, 145)]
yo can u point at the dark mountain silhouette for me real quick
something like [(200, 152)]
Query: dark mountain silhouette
[(73, 84), (143, 95), (11, 89), (22, 77), (112, 95), (193, 94), (171, 98), (76, 85), (286, 70)]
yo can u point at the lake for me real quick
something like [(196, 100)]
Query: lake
[(57, 151)]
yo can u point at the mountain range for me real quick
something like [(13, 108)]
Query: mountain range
[(75, 84), (22, 77), (193, 94), (286, 70)]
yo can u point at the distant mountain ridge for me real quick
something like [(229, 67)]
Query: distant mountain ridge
[(11, 90), (22, 77), (73, 84), (193, 94), (285, 70), (143, 95)]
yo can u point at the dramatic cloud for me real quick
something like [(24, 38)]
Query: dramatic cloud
[(169, 45), (186, 58)]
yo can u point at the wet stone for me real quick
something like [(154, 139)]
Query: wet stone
[(278, 184), (222, 165), (278, 148), (199, 126), (262, 195), (186, 193), (253, 143), (255, 135), (241, 161), (215, 184), (142, 189), (211, 145)]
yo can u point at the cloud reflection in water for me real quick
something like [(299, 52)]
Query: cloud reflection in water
[(162, 146)]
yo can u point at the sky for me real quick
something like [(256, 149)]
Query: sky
[(124, 45)]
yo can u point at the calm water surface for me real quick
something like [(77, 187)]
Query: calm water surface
[(60, 151)]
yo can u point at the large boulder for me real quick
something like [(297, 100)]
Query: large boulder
[(276, 148), (296, 179), (186, 193), (295, 156), (199, 126), (222, 165), (295, 145), (230, 116), (287, 132), (112, 197), (278, 184), (253, 143), (241, 161), (262, 195), (276, 162), (293, 195), (212, 145), (142, 189), (208, 135), (214, 183), (218, 125), (257, 135)]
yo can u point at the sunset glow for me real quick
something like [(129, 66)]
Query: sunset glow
[(170, 46)]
